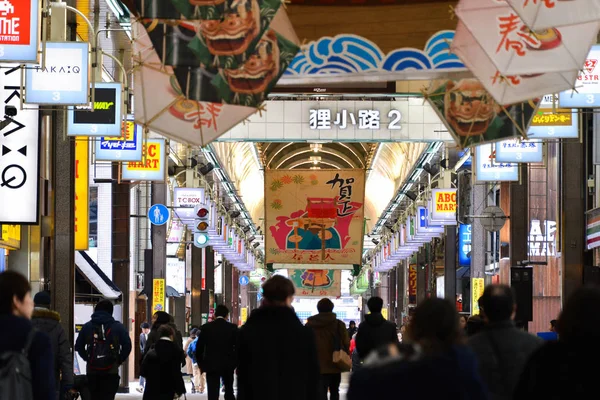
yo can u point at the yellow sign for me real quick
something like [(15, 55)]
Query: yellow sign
[(477, 288), (244, 315), (384, 313), (11, 237), (152, 166), (548, 117), (158, 295), (445, 202), (152, 152), (127, 133), (82, 194)]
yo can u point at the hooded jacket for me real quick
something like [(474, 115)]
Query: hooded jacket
[(117, 330), (163, 318), (328, 331), (48, 321), (162, 370), (375, 331)]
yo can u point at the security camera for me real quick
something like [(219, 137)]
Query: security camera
[(10, 111)]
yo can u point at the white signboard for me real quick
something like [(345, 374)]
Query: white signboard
[(175, 272), (542, 239), (553, 122), (587, 86), (19, 155), (176, 231), (488, 170), (105, 119), (19, 22), (519, 151), (188, 197), (65, 80)]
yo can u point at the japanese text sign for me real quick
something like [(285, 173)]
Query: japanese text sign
[(104, 120), (488, 170), (150, 169), (125, 148), (552, 122), (19, 160), (65, 80), (82, 194), (587, 86), (19, 30), (158, 295), (362, 119), (412, 284), (519, 151), (444, 206), (477, 288), (314, 216), (188, 197), (316, 282)]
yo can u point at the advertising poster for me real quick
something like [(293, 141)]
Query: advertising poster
[(477, 288), (412, 284), (314, 216), (104, 120), (128, 147), (317, 282), (19, 38), (158, 295), (152, 166), (473, 117), (82, 194)]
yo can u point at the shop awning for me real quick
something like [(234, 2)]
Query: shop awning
[(94, 275)]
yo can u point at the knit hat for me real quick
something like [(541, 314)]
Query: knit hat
[(42, 299)]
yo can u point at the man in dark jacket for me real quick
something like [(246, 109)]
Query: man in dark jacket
[(277, 354), (47, 321), (216, 353), (330, 335), (374, 331), (501, 348), (109, 343)]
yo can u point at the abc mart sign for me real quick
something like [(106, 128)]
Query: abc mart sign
[(19, 21)]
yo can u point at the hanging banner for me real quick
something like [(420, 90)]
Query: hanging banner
[(553, 122), (477, 288), (488, 170), (473, 117), (158, 295), (19, 155), (593, 228), (104, 120), (444, 206), (316, 282), (82, 194), (10, 237), (125, 148), (19, 30), (519, 151), (65, 80), (314, 216), (153, 168), (587, 86), (412, 284)]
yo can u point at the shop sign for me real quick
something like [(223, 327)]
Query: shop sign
[(243, 315), (152, 166), (424, 228), (542, 239), (175, 234), (19, 155), (82, 194), (188, 197), (553, 122), (104, 120), (10, 237), (65, 80), (587, 86), (412, 284), (19, 21), (464, 245), (158, 295), (125, 148), (362, 119), (488, 170), (519, 151), (444, 206), (477, 288), (175, 272)]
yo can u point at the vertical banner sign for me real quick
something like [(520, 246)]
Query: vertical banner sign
[(158, 295), (464, 245), (19, 30), (477, 288), (314, 216), (203, 268), (82, 194), (243, 315), (19, 154), (412, 284), (317, 282), (128, 147), (153, 168), (593, 229)]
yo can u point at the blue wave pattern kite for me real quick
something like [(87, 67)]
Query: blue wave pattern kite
[(355, 54)]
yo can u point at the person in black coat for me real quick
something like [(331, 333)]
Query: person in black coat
[(158, 319), (16, 308), (374, 331), (277, 354), (216, 353), (162, 368)]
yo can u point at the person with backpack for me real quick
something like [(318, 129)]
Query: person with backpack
[(199, 379), (104, 345), (26, 360)]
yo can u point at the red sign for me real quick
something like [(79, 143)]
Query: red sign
[(590, 65), (15, 22)]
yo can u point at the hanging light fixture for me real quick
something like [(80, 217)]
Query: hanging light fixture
[(315, 160), (316, 147)]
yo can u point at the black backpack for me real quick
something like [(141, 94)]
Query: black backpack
[(15, 372), (103, 351)]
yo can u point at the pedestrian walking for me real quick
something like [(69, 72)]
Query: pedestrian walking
[(188, 360), (277, 354), (48, 321), (216, 353), (145, 327), (375, 331), (162, 368), (330, 335), (352, 329), (104, 345), (26, 360), (199, 380), (162, 318)]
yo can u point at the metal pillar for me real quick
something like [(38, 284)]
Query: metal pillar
[(235, 296), (196, 303), (207, 296), (227, 284), (159, 234), (450, 250), (519, 218), (400, 290)]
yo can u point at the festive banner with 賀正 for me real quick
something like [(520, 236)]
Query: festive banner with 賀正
[(317, 282), (314, 216)]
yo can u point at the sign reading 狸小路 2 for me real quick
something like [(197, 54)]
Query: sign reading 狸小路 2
[(104, 120), (19, 22), (65, 80)]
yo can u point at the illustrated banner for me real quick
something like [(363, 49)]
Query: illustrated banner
[(314, 216), (317, 282)]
